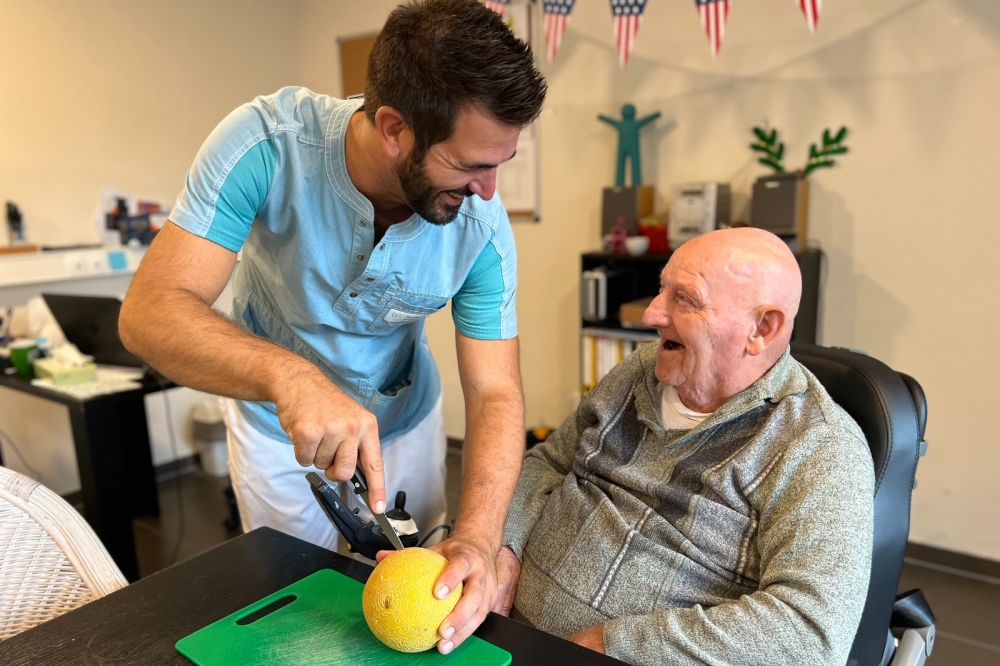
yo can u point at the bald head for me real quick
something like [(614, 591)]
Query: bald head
[(724, 313), (755, 266)]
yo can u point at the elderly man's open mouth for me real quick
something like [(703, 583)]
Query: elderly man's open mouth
[(671, 345)]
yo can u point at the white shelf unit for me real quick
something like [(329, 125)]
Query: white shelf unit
[(67, 265), (602, 349)]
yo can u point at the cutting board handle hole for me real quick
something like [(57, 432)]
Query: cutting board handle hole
[(277, 604)]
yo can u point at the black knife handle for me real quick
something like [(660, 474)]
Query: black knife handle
[(363, 537), (359, 482)]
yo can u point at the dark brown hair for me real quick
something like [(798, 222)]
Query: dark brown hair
[(434, 58)]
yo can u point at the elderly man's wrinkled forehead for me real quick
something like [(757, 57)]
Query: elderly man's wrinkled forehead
[(750, 266)]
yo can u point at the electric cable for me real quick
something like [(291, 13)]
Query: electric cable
[(432, 532), (180, 497), (34, 473), (181, 523)]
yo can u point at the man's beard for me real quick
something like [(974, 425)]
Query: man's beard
[(422, 196)]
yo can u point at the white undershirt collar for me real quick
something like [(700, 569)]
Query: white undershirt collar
[(673, 412)]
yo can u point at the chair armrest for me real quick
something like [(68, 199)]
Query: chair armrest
[(914, 647), (913, 622)]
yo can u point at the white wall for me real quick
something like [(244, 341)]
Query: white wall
[(120, 93), (908, 220), (124, 93)]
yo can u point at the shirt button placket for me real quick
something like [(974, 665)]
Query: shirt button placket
[(359, 241)]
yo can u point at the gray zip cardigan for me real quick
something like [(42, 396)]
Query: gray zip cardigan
[(746, 540)]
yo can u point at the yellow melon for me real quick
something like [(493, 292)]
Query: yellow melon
[(399, 602)]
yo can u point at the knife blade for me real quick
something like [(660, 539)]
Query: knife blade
[(361, 488)]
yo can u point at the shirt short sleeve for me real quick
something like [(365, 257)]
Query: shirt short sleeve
[(484, 307), (229, 180)]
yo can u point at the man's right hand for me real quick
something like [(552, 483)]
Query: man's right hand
[(331, 431)]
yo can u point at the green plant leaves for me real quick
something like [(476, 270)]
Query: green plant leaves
[(821, 157), (773, 151)]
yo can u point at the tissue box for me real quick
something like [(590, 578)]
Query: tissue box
[(64, 375)]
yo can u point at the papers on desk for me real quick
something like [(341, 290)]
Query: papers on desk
[(110, 379)]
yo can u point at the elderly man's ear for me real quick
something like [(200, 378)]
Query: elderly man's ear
[(770, 327)]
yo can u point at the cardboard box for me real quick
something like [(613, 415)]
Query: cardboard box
[(630, 314), (632, 203)]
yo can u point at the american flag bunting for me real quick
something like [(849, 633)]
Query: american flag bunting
[(499, 6), (626, 15), (556, 18), (811, 10), (714, 15)]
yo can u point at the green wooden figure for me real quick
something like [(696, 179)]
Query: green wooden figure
[(628, 142)]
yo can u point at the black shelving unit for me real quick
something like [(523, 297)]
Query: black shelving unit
[(639, 277)]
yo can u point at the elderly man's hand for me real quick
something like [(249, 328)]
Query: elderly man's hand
[(592, 638), (508, 571), (472, 563)]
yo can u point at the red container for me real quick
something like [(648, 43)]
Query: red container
[(657, 235)]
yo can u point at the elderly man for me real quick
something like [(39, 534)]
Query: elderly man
[(708, 503)]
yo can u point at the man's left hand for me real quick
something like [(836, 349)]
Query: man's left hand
[(592, 638), (473, 564), (508, 573)]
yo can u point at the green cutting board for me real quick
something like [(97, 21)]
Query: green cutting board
[(320, 625)]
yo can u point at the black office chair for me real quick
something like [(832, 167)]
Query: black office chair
[(891, 409)]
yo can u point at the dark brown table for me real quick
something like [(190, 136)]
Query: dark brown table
[(140, 623), (113, 455)]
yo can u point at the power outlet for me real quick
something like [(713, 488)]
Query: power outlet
[(86, 263), (76, 264), (97, 263)]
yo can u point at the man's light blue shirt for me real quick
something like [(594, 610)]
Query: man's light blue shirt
[(272, 180)]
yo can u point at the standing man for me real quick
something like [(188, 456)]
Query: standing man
[(356, 219)]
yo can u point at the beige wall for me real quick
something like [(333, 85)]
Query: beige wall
[(119, 93), (124, 93), (908, 221)]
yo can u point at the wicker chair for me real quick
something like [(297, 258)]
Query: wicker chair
[(50, 559)]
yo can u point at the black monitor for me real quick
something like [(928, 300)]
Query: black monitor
[(91, 323)]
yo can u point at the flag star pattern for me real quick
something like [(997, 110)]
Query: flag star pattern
[(556, 18), (626, 16), (714, 15)]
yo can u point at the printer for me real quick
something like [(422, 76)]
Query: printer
[(697, 208)]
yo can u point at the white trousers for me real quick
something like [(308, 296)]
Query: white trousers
[(272, 490)]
